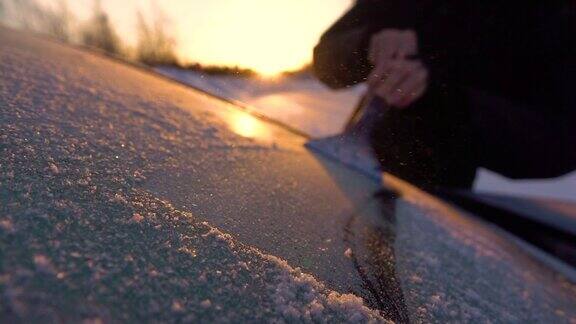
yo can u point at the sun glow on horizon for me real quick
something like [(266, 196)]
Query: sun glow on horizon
[(267, 36)]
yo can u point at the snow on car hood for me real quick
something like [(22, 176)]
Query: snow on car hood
[(80, 239)]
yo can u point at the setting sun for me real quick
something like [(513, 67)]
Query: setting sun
[(268, 36)]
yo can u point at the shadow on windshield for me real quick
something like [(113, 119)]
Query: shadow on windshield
[(369, 235), (371, 250)]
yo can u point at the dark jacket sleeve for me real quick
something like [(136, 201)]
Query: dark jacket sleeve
[(534, 137), (518, 141), (523, 105), (341, 56)]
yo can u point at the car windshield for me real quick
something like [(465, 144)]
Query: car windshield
[(287, 161)]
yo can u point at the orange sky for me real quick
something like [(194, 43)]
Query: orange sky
[(269, 36)]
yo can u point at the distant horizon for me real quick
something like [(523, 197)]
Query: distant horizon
[(266, 36)]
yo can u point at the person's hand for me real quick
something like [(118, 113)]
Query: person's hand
[(391, 44), (397, 78), (400, 82)]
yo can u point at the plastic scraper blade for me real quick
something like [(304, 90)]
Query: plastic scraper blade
[(352, 147)]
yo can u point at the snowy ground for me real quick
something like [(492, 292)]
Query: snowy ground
[(305, 104), (300, 102)]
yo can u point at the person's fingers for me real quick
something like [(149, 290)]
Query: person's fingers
[(414, 95), (393, 44), (408, 87), (402, 84), (376, 43), (384, 46), (389, 44), (378, 74), (383, 92), (396, 74), (379, 92), (407, 44)]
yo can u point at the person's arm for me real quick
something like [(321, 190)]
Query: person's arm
[(341, 56), (535, 137)]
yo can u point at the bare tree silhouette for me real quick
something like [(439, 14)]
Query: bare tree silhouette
[(58, 21), (55, 21), (155, 45), (99, 32)]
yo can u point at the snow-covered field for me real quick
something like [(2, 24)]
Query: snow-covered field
[(300, 102), (306, 105)]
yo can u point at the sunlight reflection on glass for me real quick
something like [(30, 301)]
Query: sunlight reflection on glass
[(246, 125)]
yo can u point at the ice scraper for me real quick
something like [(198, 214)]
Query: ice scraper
[(352, 147)]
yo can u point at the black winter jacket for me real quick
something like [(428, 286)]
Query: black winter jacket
[(519, 58)]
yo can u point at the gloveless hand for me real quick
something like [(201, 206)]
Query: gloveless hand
[(397, 78), (391, 44)]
